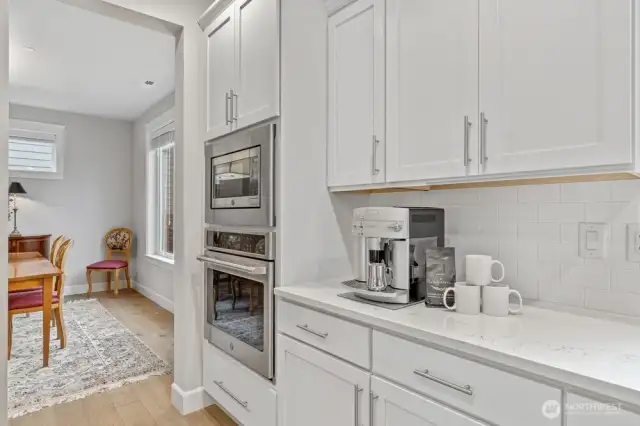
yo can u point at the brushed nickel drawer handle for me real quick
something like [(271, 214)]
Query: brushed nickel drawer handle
[(466, 389), (244, 404), (372, 411), (305, 327)]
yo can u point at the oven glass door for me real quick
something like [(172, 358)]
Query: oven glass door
[(235, 179), (239, 295)]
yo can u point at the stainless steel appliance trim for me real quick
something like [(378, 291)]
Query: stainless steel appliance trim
[(227, 99), (375, 170), (306, 328), (467, 125), (466, 389), (357, 389), (372, 412), (256, 211), (483, 138), (259, 361), (244, 404), (269, 241), (253, 270)]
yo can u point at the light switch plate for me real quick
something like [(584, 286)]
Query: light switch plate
[(633, 242), (594, 240)]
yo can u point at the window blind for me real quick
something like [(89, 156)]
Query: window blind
[(29, 154)]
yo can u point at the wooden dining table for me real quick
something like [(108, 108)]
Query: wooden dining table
[(31, 270)]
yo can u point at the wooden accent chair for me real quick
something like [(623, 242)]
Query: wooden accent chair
[(117, 241), (55, 246), (31, 300)]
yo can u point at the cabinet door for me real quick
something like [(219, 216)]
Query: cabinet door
[(432, 84), (256, 94), (220, 72), (582, 411), (555, 83), (393, 405), (319, 390), (356, 137)]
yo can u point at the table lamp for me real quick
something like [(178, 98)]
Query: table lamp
[(14, 189)]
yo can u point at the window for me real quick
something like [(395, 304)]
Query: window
[(35, 149), (161, 192)]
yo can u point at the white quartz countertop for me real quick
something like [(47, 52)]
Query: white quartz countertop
[(600, 355)]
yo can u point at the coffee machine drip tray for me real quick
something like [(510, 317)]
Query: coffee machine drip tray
[(388, 298)]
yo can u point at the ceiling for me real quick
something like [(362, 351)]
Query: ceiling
[(70, 59)]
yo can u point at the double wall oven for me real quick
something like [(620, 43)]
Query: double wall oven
[(239, 246)]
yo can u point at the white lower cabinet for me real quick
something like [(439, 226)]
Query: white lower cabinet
[(583, 411), (246, 396), (395, 406), (316, 389)]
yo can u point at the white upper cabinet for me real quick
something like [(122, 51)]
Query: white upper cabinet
[(432, 85), (256, 95), (243, 66), (395, 406), (220, 72), (356, 139), (316, 389), (555, 83)]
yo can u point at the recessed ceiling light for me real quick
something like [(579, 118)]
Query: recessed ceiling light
[(29, 48), (149, 83)]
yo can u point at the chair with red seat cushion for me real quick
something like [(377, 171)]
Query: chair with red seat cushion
[(26, 301), (117, 241)]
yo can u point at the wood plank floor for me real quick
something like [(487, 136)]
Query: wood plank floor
[(146, 403)]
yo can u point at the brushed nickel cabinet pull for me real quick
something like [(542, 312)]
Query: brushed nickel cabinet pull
[(466, 389), (305, 327)]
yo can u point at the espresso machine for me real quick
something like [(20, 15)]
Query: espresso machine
[(390, 245)]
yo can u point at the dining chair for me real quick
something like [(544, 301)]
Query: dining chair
[(31, 301), (117, 241), (55, 246)]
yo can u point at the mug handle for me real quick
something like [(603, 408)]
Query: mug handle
[(517, 310), (444, 298), (497, 262)]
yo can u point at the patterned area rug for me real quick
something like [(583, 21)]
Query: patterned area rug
[(101, 354)]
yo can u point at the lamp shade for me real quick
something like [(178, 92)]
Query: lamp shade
[(16, 188)]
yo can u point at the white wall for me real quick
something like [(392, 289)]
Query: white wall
[(310, 220), (4, 138), (94, 194), (153, 278), (533, 230), (189, 217)]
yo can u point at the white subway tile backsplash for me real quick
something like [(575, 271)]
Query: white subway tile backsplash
[(592, 275), (620, 303), (538, 193), (586, 191), (625, 190), (533, 230), (625, 281), (561, 212), (523, 212)]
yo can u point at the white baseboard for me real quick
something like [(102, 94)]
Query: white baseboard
[(151, 294), (70, 290), (189, 401)]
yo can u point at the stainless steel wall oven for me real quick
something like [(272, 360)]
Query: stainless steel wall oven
[(239, 281)]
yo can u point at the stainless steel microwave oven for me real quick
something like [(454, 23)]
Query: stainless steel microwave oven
[(240, 178)]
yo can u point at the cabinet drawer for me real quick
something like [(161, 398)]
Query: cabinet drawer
[(242, 393), (496, 396), (341, 338)]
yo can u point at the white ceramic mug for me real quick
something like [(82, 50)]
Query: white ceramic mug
[(495, 300), (478, 268), (467, 298)]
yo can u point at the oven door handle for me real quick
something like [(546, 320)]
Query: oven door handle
[(252, 270)]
